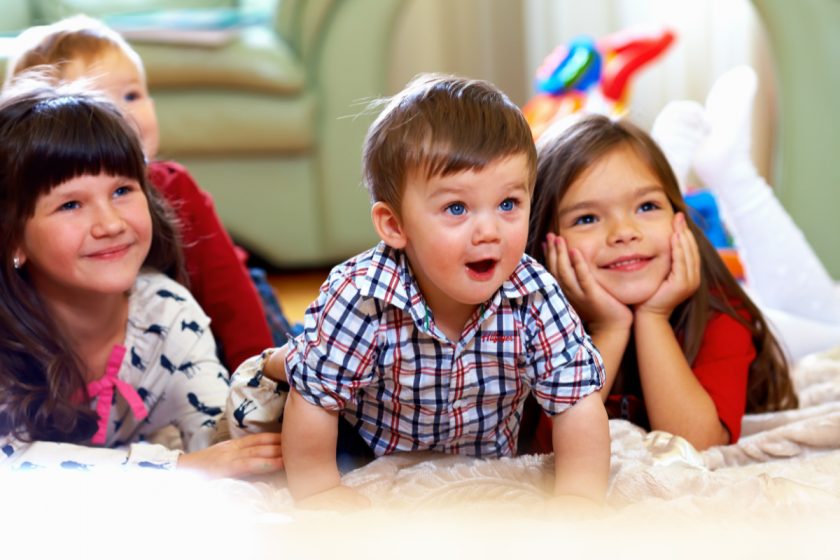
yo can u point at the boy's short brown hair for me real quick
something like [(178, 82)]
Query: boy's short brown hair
[(441, 125)]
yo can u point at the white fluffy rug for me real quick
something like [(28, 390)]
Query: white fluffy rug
[(776, 493)]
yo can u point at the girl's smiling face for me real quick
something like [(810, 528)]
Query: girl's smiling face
[(88, 235), (617, 215)]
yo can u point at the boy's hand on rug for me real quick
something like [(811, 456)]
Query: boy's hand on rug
[(249, 455), (338, 498)]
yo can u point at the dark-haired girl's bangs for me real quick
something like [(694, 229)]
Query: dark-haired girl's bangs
[(92, 145)]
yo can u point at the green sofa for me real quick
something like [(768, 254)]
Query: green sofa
[(805, 38), (272, 123)]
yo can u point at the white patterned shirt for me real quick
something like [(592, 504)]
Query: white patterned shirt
[(170, 364)]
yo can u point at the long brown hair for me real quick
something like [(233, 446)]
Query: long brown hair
[(564, 153), (47, 137)]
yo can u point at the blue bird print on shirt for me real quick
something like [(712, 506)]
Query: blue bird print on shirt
[(168, 294), (166, 364), (159, 330), (188, 369), (136, 360), (242, 411), (192, 326), (151, 465), (73, 465), (201, 407)]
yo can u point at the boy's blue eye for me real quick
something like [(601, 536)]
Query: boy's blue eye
[(72, 205), (122, 191), (508, 204), (456, 209), (648, 206)]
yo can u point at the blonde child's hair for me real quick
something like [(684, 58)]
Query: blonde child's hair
[(568, 150), (74, 39), (440, 125)]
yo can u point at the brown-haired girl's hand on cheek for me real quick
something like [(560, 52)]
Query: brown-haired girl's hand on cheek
[(597, 307), (683, 279)]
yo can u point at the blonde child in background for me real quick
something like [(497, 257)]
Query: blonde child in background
[(98, 348), (432, 339), (685, 349), (82, 48)]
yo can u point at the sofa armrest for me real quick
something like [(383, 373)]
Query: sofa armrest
[(351, 70)]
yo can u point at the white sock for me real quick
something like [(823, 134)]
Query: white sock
[(679, 130), (781, 267)]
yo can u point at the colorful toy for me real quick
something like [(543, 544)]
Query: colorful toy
[(591, 74)]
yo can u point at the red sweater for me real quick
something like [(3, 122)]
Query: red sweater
[(722, 368), (218, 278)]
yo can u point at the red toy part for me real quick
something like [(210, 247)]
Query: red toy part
[(625, 53)]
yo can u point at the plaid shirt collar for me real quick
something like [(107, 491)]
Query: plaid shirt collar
[(389, 279)]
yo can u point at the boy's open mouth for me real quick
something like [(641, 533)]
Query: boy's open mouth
[(482, 266)]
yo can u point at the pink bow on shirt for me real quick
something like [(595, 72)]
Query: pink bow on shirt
[(103, 390)]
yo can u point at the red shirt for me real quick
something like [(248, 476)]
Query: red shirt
[(219, 280), (722, 368)]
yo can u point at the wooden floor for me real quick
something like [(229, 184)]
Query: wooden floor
[(296, 290)]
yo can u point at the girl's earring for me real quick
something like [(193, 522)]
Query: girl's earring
[(16, 262)]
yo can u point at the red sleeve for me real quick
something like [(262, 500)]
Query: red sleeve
[(219, 280), (722, 367)]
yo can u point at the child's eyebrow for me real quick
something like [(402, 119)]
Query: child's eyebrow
[(588, 204), (585, 205)]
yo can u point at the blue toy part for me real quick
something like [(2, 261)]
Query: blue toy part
[(704, 211), (579, 69)]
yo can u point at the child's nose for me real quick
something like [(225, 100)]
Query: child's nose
[(486, 229), (107, 222), (624, 231)]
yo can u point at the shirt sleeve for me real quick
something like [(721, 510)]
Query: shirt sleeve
[(722, 368), (334, 356), (16, 454), (195, 398), (564, 363), (219, 280), (255, 402)]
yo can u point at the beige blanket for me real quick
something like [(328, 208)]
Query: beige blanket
[(776, 493)]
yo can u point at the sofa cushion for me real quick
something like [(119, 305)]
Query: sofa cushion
[(224, 122), (54, 10), (257, 60)]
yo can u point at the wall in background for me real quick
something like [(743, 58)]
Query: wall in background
[(504, 41)]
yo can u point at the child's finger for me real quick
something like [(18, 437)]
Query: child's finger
[(256, 440), (550, 250), (692, 252), (585, 278), (568, 274)]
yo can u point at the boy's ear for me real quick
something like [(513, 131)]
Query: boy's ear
[(388, 225)]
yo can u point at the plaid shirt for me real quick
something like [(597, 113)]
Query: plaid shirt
[(371, 349)]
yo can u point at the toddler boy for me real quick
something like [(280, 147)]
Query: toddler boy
[(432, 339)]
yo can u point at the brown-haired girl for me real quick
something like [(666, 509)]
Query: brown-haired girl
[(685, 349), (99, 348)]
